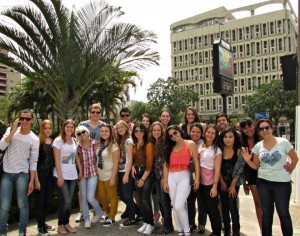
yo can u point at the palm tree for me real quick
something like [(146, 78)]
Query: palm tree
[(67, 51)]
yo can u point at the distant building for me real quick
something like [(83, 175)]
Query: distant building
[(9, 78), (258, 41)]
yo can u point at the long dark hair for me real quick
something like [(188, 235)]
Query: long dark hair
[(247, 121), (169, 143), (237, 141), (197, 119), (199, 126), (142, 127)]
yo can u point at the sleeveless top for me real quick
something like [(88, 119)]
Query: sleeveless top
[(227, 169), (179, 161)]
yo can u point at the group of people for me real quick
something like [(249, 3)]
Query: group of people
[(183, 163)]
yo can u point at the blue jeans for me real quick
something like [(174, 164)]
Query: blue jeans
[(230, 210), (66, 196), (144, 194), (8, 181), (87, 187), (279, 193), (165, 205), (126, 194)]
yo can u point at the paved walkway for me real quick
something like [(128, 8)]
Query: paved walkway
[(249, 225)]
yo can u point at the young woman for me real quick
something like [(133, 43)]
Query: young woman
[(275, 158), (196, 131), (231, 178), (44, 178), (108, 154), (210, 156), (190, 117), (88, 183), (65, 172), (142, 172), (178, 153), (126, 183), (165, 117), (147, 120), (250, 137)]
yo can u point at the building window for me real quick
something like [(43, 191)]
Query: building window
[(174, 46), (259, 81), (249, 84), (233, 35), (201, 90), (240, 34), (236, 102), (280, 44), (265, 30), (273, 62), (214, 105), (258, 48), (207, 104), (242, 69), (272, 28), (235, 68), (185, 44), (180, 46), (266, 64)]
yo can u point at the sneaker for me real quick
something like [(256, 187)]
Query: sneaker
[(104, 217), (142, 229), (156, 217), (108, 223), (180, 233), (70, 229), (49, 227), (87, 224), (164, 231), (149, 229), (187, 233), (61, 230), (43, 231), (79, 217), (128, 223), (96, 218)]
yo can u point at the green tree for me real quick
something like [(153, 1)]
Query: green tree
[(138, 109), (4, 105), (66, 52), (272, 98), (168, 93)]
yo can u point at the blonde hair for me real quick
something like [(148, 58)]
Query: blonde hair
[(79, 129), (95, 106), (42, 136), (122, 139)]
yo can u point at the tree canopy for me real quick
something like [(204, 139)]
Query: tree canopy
[(66, 52), (272, 98)]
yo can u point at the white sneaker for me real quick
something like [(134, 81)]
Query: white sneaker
[(149, 229), (96, 218), (104, 217), (142, 229), (87, 224), (79, 217)]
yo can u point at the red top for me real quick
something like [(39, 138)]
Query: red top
[(179, 161)]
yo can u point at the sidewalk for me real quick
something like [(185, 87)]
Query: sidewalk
[(249, 225)]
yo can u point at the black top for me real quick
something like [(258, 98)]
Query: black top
[(185, 132), (227, 169), (46, 158)]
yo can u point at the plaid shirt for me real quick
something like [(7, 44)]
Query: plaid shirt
[(88, 159)]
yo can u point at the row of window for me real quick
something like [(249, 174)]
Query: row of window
[(273, 28), (240, 84), (239, 51)]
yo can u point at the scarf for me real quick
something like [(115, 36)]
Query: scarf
[(100, 158)]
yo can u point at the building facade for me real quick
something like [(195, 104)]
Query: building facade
[(258, 41), (9, 78)]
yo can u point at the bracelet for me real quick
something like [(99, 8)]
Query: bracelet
[(142, 180)]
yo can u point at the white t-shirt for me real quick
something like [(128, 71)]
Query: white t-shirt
[(67, 156), (107, 159), (272, 161), (124, 157)]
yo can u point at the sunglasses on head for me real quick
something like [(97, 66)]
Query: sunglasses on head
[(264, 128), (82, 132), (95, 112), (174, 133), (125, 115), (25, 118), (139, 131)]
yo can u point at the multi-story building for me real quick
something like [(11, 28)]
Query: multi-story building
[(258, 41), (9, 78)]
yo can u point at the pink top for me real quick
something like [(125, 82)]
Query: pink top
[(179, 161)]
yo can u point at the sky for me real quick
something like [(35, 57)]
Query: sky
[(157, 16)]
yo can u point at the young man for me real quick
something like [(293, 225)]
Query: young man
[(94, 124), (19, 165), (222, 121), (125, 115)]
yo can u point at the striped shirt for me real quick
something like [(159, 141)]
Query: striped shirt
[(88, 159), (22, 152)]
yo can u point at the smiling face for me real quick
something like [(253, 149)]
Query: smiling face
[(229, 139), (195, 134), (165, 118), (249, 130), (105, 133), (95, 114), (69, 129), (210, 135), (121, 130), (25, 120), (156, 131), (146, 122), (265, 129), (190, 116)]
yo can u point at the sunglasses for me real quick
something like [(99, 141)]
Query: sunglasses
[(125, 115), (95, 112), (174, 133), (264, 128), (80, 133), (25, 118), (139, 131)]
